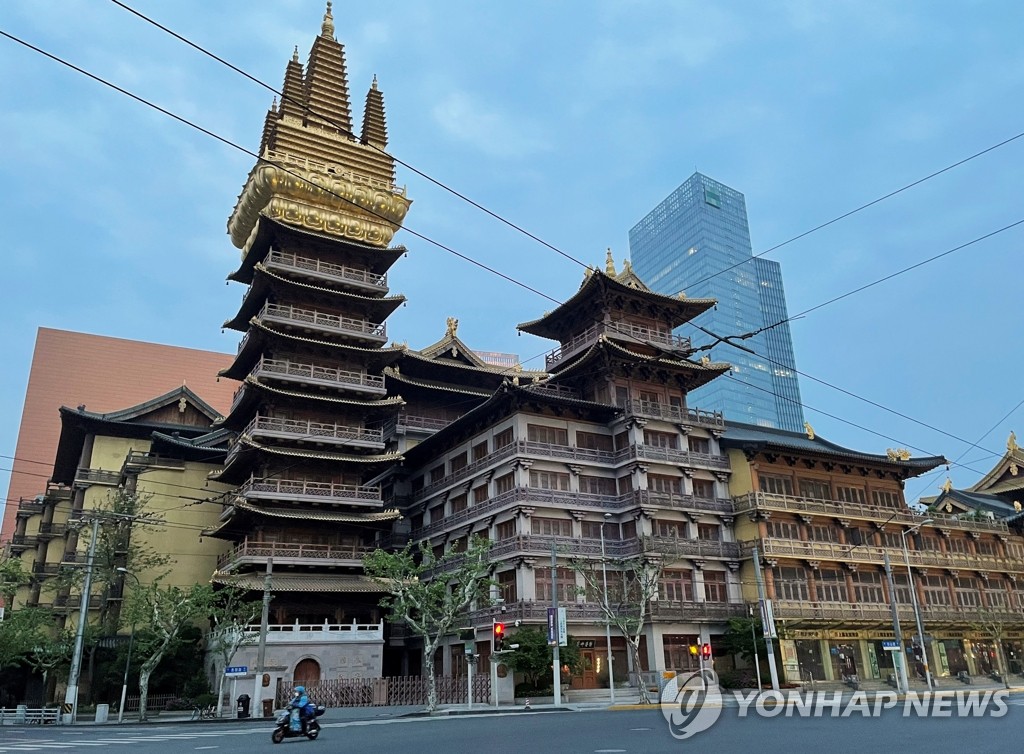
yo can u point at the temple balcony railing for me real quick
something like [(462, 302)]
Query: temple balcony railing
[(333, 169), (687, 458), (312, 374), (531, 611), (776, 547), (312, 431), (138, 461), (756, 501), (723, 506), (320, 633), (85, 477), (403, 423), (573, 547), (292, 553), (675, 414), (320, 493), (333, 324), (322, 270), (621, 331), (787, 609)]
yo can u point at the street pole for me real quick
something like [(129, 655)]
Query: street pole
[(469, 679), (757, 659), (131, 641), (556, 665), (74, 675), (902, 684), (607, 613), (261, 652), (769, 630), (913, 601)]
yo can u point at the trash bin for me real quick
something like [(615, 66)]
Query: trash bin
[(243, 706)]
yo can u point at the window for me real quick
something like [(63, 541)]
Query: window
[(703, 488), (628, 530), (928, 543), (714, 586), (593, 441), (867, 587), (936, 592), (676, 585), (711, 532), (857, 537), (815, 489), (556, 527), (566, 579), (985, 547), (504, 438), (901, 588), (597, 485), (460, 503), (547, 435), (822, 533), (790, 583), (1014, 550), (549, 480), (505, 530), (957, 544), (621, 395), (851, 494), (996, 593), (480, 450), (776, 485), (480, 494), (886, 498), (666, 485), (503, 484), (437, 474), (699, 445), (417, 484), (459, 462), (891, 539), (832, 586), (661, 439), (648, 397), (677, 652), (783, 529), (507, 586), (968, 593), (622, 440), (673, 529), (436, 513), (592, 530)]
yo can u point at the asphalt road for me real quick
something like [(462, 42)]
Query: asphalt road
[(591, 732)]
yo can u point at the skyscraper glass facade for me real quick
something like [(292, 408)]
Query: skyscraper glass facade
[(690, 242)]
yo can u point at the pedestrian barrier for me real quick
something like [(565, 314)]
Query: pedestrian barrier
[(23, 715)]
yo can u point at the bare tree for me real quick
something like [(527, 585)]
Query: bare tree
[(430, 594), (232, 613), (993, 625)]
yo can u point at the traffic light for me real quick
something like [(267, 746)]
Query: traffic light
[(705, 651), (497, 636), (694, 650)]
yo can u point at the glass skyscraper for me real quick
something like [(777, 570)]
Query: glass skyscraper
[(697, 241)]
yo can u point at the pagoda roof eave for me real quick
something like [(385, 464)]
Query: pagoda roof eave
[(697, 374), (397, 376)]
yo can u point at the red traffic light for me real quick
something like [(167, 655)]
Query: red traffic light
[(499, 629), (705, 651)]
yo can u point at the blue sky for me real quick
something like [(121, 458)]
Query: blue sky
[(573, 120)]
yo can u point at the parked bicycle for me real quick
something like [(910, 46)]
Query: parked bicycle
[(204, 713)]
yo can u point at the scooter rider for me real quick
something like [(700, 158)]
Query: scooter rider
[(298, 704)]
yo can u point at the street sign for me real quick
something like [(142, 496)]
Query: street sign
[(890, 645), (563, 629), (234, 670)]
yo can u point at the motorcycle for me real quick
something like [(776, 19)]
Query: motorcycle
[(284, 728)]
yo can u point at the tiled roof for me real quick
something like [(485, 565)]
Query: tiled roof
[(392, 374), (322, 456), (393, 400), (306, 514)]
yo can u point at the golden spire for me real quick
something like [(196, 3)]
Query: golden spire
[(373, 84), (947, 485), (328, 28), (809, 430), (609, 263), (453, 327), (295, 54), (1011, 443)]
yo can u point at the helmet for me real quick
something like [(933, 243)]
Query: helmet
[(300, 689)]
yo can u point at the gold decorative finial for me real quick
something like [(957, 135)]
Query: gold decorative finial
[(295, 54), (609, 263), (809, 430), (949, 507), (373, 84), (627, 266), (1014, 469), (947, 485), (587, 273), (898, 454), (1016, 505), (682, 294), (705, 359), (453, 327), (1011, 443), (328, 28), (273, 106)]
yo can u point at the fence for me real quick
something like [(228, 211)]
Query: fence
[(379, 692), (153, 702)]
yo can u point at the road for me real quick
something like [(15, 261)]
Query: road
[(590, 732)]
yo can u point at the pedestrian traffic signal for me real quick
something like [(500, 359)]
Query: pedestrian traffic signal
[(694, 650), (497, 636), (705, 651)]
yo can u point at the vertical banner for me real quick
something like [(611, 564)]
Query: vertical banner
[(552, 628), (768, 620), (563, 630)]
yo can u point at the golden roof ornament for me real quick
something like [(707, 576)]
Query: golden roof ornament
[(705, 359), (609, 263), (453, 327), (1016, 505), (328, 28), (373, 84), (1011, 443), (809, 430), (949, 507), (897, 454), (1013, 468), (947, 486), (295, 54)]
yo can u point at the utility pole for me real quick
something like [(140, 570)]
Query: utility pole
[(767, 620), (556, 665), (899, 656), (261, 652), (74, 675)]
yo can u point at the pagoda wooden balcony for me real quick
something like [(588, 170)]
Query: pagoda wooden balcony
[(32, 506), (684, 502), (530, 611), (310, 320), (84, 477), (620, 331), (404, 423), (318, 269), (305, 430), (675, 414), (312, 374), (876, 612), (756, 501), (139, 461), (318, 493), (540, 544), (776, 547), (292, 553), (673, 456)]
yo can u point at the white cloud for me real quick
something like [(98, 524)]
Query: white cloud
[(487, 129)]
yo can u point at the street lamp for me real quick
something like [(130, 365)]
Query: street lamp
[(913, 600), (607, 617), (131, 640)]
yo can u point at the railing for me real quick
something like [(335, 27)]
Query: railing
[(873, 611), (535, 611), (673, 610), (404, 421), (291, 551), (324, 269), (673, 456), (618, 331), (578, 546), (52, 530), (323, 321), (838, 509), (152, 460), (684, 502), (779, 547), (22, 541), (306, 429), (293, 489), (97, 476), (335, 170), (675, 414), (24, 715), (28, 507), (318, 374), (321, 632)]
